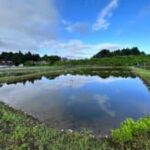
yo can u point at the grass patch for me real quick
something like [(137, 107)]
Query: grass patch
[(143, 73), (13, 75)]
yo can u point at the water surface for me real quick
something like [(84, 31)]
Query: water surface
[(80, 101)]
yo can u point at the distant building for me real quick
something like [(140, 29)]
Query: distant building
[(6, 63)]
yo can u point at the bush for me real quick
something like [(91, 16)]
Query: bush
[(130, 129)]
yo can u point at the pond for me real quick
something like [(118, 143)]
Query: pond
[(80, 101)]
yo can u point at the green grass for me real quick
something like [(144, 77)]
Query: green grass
[(143, 73), (18, 131), (10, 75), (110, 61)]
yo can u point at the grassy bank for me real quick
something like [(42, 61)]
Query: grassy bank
[(19, 131), (11, 75), (143, 73)]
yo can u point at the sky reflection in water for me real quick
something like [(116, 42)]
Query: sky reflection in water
[(80, 101)]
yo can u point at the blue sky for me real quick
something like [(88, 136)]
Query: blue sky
[(74, 28)]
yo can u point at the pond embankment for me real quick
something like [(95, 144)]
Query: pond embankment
[(142, 73), (18, 74)]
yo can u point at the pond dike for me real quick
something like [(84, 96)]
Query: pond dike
[(143, 74)]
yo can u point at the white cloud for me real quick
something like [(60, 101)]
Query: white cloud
[(103, 101), (79, 81), (25, 23), (81, 27), (78, 49), (102, 20)]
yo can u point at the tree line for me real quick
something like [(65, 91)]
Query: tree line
[(21, 58), (28, 58), (123, 52)]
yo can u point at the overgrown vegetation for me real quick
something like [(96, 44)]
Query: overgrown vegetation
[(19, 131)]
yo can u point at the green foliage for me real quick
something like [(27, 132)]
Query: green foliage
[(27, 59), (18, 58), (143, 60), (51, 59), (129, 129), (123, 52), (124, 133)]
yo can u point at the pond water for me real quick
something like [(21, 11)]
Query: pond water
[(80, 101)]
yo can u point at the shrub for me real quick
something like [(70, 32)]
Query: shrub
[(130, 129)]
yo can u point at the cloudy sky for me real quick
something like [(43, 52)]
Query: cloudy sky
[(73, 28)]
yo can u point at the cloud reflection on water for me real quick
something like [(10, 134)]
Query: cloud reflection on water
[(77, 101)]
